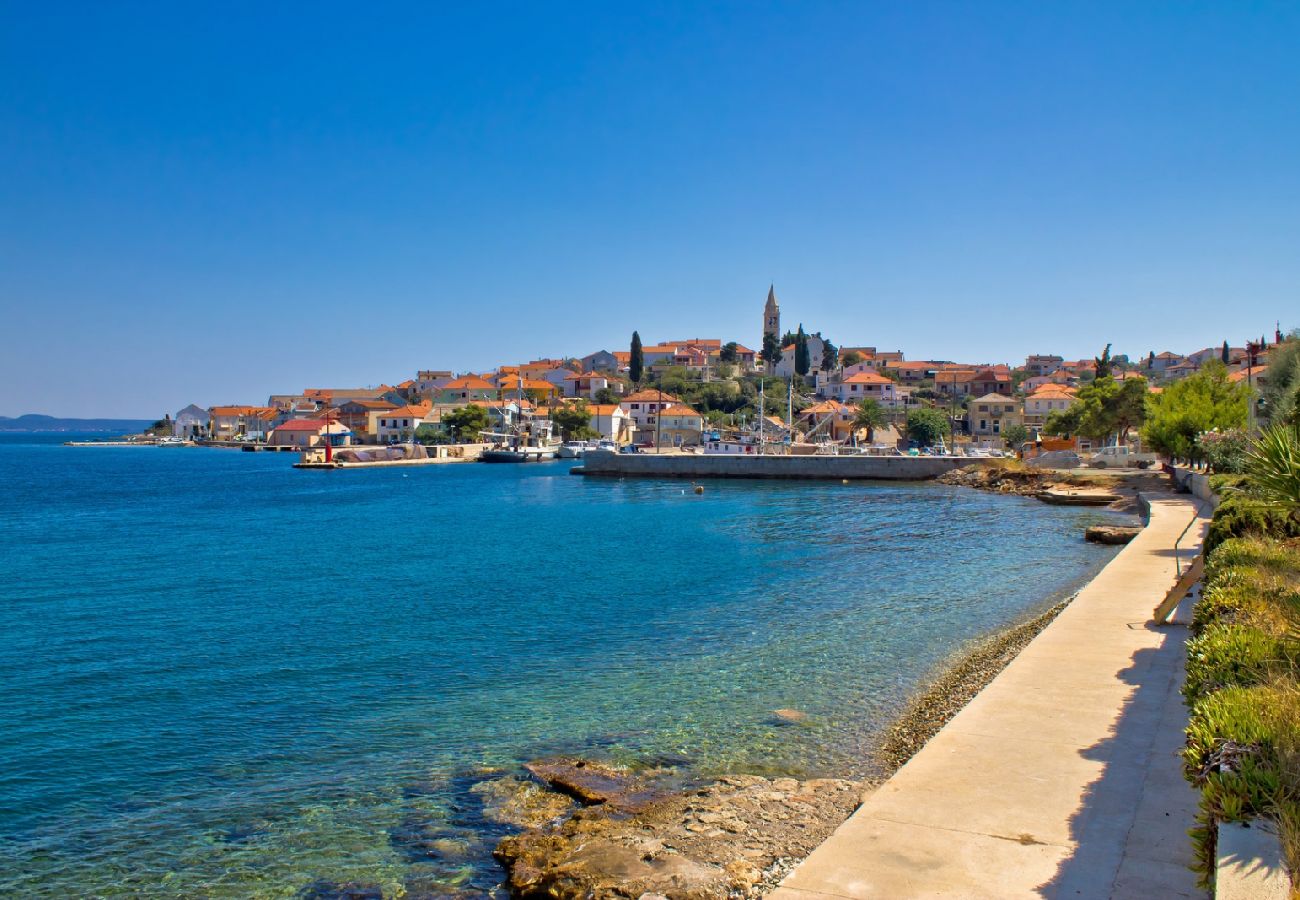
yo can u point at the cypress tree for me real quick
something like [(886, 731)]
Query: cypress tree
[(636, 359), (1225, 355), (801, 359)]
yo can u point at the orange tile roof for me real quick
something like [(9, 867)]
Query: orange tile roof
[(682, 409), (467, 383), (649, 396), (867, 377)]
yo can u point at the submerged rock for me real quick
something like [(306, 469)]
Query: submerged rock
[(524, 804), (789, 716), (733, 838), (594, 783), (1112, 534)]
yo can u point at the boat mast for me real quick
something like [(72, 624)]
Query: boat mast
[(762, 387)]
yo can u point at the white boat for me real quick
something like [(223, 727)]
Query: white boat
[(173, 442), (528, 439), (573, 449)]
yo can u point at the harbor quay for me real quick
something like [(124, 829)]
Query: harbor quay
[(723, 465)]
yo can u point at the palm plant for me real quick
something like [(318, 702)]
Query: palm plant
[(870, 415), (1273, 467)]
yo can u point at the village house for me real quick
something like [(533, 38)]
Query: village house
[(678, 426), (1162, 361), (829, 418), (1044, 401), (868, 385), (356, 415), (908, 372), (465, 389), (588, 384), (600, 361), (989, 416), (816, 354), (305, 433), (190, 423), (643, 406), (746, 359), (612, 423), (1042, 364), (399, 424), (227, 422)]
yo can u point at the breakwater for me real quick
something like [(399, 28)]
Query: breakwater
[(722, 465)]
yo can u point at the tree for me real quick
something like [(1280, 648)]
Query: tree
[(606, 396), (432, 434), (1102, 408), (830, 356), (927, 426), (636, 359), (851, 358), (574, 421), (771, 353), (1225, 356), (1280, 395), (1101, 364), (1151, 359), (466, 422), (801, 360), (870, 415), (1204, 401), (729, 353), (1015, 435)]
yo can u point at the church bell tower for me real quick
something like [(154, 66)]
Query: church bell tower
[(772, 314)]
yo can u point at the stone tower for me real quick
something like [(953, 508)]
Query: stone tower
[(772, 314)]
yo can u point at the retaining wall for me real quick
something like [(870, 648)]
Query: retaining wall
[(703, 465)]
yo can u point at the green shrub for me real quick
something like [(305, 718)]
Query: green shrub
[(1229, 655), (1239, 516), (1226, 485), (1225, 451)]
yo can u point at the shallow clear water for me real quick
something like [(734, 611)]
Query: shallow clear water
[(226, 677)]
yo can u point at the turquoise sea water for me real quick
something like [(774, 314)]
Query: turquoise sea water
[(225, 677)]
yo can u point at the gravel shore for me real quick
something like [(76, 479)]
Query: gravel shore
[(960, 680)]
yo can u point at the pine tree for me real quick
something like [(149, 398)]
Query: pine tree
[(830, 356), (1102, 363), (636, 360), (771, 353)]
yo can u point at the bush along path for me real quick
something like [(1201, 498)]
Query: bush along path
[(1243, 674)]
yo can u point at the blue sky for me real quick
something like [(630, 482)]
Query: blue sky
[(213, 203)]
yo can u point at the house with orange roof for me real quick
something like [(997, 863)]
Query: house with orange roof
[(1044, 401), (868, 385), (588, 384), (677, 426), (829, 418), (611, 422), (356, 414), (305, 433), (227, 422), (399, 424), (644, 407), (465, 389)]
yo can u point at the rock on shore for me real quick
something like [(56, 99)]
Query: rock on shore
[(736, 837), (1111, 534), (1002, 479)]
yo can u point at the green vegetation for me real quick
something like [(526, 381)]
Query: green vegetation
[(1225, 452), (927, 426), (729, 353), (432, 434), (830, 356), (870, 415), (574, 421), (1243, 661), (467, 422), (771, 352), (636, 359), (1273, 467), (1015, 435), (1104, 407), (1102, 366), (801, 358), (1280, 395), (1205, 401), (852, 358)]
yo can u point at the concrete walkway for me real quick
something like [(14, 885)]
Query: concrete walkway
[(1061, 778)]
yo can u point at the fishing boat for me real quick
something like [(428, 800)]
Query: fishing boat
[(527, 439)]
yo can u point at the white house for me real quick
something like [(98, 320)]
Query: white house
[(398, 425), (611, 422), (868, 385), (816, 351), (304, 433), (644, 406), (190, 422)]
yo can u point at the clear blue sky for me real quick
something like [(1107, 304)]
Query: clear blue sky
[(212, 202)]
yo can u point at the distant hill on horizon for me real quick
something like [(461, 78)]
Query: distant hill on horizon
[(35, 422)]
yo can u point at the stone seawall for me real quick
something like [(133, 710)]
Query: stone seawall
[(686, 465)]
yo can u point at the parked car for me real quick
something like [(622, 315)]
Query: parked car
[(1111, 457), (1055, 459)]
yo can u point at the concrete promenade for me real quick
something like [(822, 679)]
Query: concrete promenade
[(1061, 778)]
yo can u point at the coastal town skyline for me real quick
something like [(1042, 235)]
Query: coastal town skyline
[(241, 207)]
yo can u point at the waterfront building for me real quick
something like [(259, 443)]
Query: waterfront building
[(306, 433), (588, 384), (992, 414), (356, 415), (643, 406), (226, 422), (191, 422), (611, 422), (678, 426), (829, 419), (399, 424)]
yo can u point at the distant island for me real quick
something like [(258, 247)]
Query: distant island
[(33, 422)]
